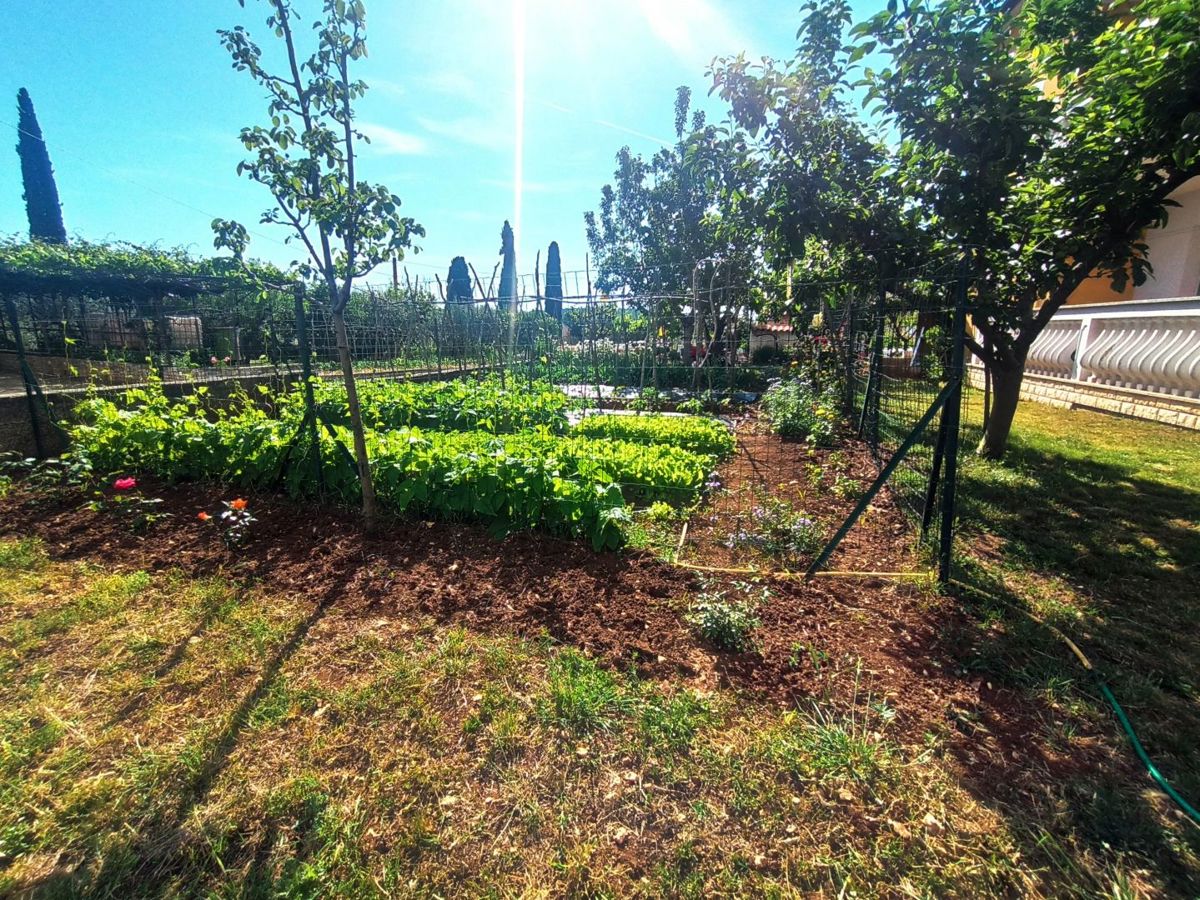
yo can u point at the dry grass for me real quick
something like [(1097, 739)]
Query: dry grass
[(171, 737)]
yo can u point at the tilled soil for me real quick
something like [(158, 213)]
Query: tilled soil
[(841, 640)]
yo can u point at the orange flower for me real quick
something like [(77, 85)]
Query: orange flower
[(238, 504), (203, 516)]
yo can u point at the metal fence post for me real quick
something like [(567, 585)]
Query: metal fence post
[(952, 417), (851, 357), (870, 408), (27, 376)]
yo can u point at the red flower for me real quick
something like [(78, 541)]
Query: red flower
[(238, 504), (124, 484), (203, 516)]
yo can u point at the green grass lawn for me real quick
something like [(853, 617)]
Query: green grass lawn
[(163, 736), (167, 736), (1092, 523)]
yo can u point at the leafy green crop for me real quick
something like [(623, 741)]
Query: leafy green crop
[(566, 484), (461, 405), (696, 434)]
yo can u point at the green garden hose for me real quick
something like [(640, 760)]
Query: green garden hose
[(1126, 726), (1141, 752)]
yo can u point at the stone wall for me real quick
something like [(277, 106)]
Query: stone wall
[(1182, 412)]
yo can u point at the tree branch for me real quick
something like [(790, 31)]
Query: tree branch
[(325, 261), (350, 234), (1083, 268)]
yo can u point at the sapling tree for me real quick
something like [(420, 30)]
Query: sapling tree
[(306, 158)]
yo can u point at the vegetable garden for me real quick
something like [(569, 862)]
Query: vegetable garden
[(623, 421), (470, 450)]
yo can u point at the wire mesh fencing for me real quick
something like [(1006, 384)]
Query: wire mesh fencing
[(884, 357)]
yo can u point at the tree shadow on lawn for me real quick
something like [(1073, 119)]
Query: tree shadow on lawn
[(146, 867), (1111, 559)]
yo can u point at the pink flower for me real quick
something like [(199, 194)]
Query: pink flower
[(124, 484), (213, 361), (227, 360)]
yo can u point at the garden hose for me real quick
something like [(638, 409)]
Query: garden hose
[(1190, 811)]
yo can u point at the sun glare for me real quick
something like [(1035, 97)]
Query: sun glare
[(519, 26)]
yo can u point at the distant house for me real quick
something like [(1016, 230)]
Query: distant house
[(778, 334)]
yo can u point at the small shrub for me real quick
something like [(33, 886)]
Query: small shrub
[(724, 621), (648, 400), (235, 521), (796, 410), (768, 355), (661, 512), (138, 512), (846, 488), (71, 470)]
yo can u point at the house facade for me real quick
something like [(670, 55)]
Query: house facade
[(1174, 252), (1133, 352)]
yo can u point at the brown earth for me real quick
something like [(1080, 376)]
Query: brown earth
[(841, 640)]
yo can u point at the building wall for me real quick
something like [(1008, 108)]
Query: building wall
[(1174, 253), (1175, 250)]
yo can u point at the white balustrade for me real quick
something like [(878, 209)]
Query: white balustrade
[(1145, 345), (1053, 353)]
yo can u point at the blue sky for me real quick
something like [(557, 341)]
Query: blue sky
[(141, 111)]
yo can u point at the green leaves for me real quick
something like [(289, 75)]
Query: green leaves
[(306, 157), (696, 434), (82, 259), (459, 405), (528, 477)]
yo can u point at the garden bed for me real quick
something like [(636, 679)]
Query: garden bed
[(836, 640), (783, 481)]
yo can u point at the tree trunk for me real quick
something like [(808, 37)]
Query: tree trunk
[(1006, 392), (370, 514)]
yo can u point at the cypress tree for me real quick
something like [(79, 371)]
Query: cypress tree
[(554, 284), (508, 272), (458, 282), (41, 194)]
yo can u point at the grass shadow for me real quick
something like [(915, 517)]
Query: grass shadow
[(1102, 540)]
